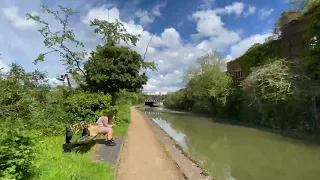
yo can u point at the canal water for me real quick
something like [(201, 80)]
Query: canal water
[(231, 152)]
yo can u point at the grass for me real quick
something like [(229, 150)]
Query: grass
[(52, 164), (120, 130)]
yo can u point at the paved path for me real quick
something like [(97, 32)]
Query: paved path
[(143, 156)]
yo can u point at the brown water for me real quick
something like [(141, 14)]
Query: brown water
[(231, 152)]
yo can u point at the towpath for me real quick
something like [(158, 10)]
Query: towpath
[(143, 156)]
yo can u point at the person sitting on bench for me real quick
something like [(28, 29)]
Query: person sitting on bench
[(104, 126)]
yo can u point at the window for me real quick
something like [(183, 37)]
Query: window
[(238, 74)]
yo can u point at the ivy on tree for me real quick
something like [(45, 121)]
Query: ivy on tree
[(60, 41)]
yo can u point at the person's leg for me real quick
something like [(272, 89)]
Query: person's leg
[(109, 132), (110, 141)]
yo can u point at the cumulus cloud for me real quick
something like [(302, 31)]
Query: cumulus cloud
[(13, 16), (3, 66), (237, 8), (206, 4), (167, 49), (156, 8), (265, 12), (147, 17), (251, 10), (209, 24), (144, 18)]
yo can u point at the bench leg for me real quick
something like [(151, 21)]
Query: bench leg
[(67, 147)]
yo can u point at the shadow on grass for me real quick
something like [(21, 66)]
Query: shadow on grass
[(85, 148)]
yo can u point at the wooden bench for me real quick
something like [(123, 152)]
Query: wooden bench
[(74, 129)]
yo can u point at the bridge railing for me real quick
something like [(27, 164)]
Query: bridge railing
[(154, 98)]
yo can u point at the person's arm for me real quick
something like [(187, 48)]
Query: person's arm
[(105, 121)]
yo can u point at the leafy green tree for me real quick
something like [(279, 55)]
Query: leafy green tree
[(112, 68), (113, 32), (60, 41), (208, 79)]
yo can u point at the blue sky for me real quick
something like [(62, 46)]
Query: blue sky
[(183, 31)]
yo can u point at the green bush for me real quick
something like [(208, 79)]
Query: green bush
[(85, 106), (125, 97), (17, 154), (50, 120), (175, 100)]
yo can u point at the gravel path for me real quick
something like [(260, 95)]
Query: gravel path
[(143, 156)]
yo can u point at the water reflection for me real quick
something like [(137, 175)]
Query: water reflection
[(238, 153), (179, 137)]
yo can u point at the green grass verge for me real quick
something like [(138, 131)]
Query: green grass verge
[(53, 164), (120, 130)]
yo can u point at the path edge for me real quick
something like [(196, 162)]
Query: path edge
[(117, 163), (204, 174)]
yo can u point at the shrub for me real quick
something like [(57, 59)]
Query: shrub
[(16, 154), (125, 97), (85, 106)]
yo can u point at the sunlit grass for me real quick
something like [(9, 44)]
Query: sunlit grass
[(120, 130), (53, 164)]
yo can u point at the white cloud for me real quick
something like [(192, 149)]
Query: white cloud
[(167, 49), (251, 10), (206, 4), (156, 8), (240, 48), (144, 18), (264, 13), (14, 18), (53, 82), (237, 8), (147, 17), (3, 66), (209, 24)]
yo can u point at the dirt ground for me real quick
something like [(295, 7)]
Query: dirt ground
[(143, 156)]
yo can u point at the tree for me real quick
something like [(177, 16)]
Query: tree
[(60, 41), (207, 81), (112, 68), (113, 32)]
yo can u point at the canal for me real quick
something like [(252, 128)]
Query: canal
[(231, 152)]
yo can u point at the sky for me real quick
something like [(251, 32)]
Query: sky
[(182, 31)]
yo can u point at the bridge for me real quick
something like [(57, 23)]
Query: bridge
[(150, 99)]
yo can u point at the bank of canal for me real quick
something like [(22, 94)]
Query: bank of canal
[(231, 152)]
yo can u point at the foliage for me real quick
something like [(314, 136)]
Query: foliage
[(111, 68), (175, 100), (84, 106), (16, 154), (59, 41), (113, 32), (122, 113), (259, 54), (272, 82), (312, 37), (125, 97), (208, 79)]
